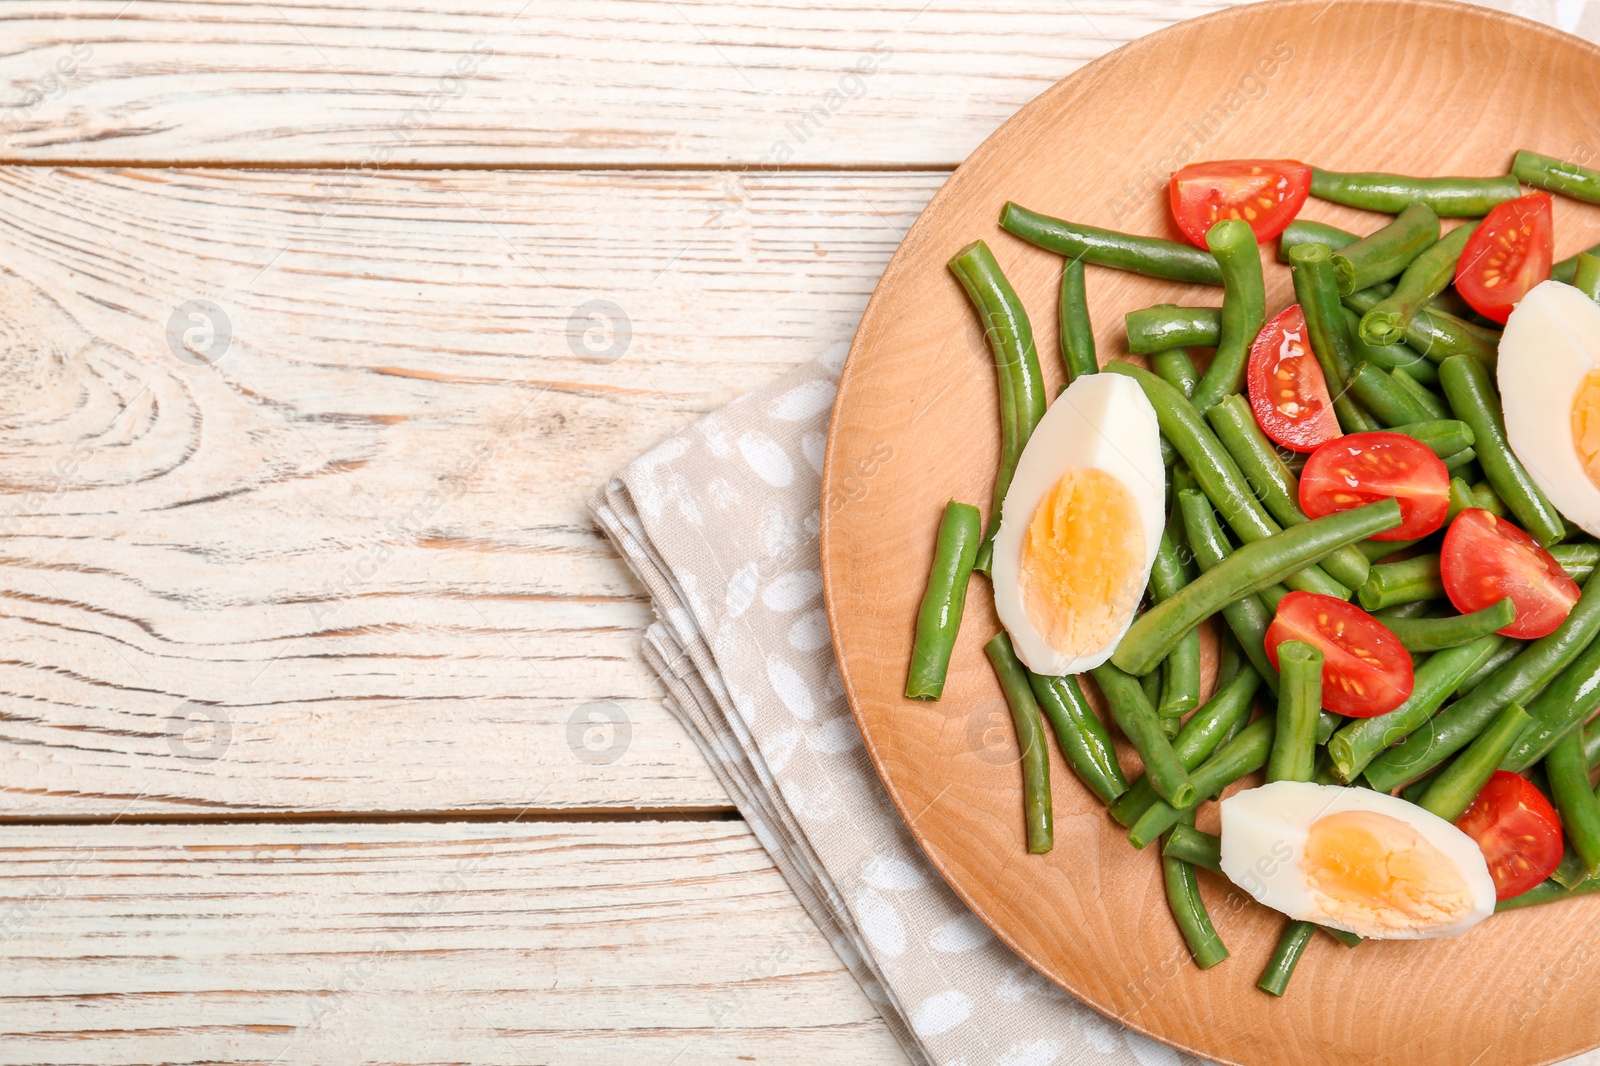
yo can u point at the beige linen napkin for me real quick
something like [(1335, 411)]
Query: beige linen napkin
[(720, 522)]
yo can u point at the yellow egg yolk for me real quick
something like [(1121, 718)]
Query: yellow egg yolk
[(1082, 565), (1586, 425), (1375, 874)]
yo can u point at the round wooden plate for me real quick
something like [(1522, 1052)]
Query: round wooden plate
[(1421, 88)]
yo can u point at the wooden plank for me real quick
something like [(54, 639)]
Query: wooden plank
[(325, 944), (762, 83), (358, 540)]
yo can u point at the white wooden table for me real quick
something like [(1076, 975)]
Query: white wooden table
[(324, 732)]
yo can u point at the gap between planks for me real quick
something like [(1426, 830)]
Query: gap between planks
[(505, 817)]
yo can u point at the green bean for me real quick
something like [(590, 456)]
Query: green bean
[(1546, 892), (1466, 384), (1317, 290), (1378, 550), (1272, 482), (1586, 278), (1244, 754), (1151, 256), (1435, 634), (1025, 717), (1414, 609), (1180, 684), (1206, 730), (1412, 579), (1138, 722), (1436, 334), (1460, 459), (1557, 175), (1253, 566), (1429, 274), (1083, 737), (1291, 945), (1392, 193), (939, 618), (1564, 705), (1566, 270), (1380, 256), (1570, 872), (1575, 799), (1171, 569), (1388, 402), (1217, 473), (1077, 335), (1460, 499), (1484, 497), (1504, 654), (1436, 407), (1150, 685), (1458, 784), (1246, 616), (1010, 336), (1305, 231), (1348, 939), (1387, 356), (1230, 657), (1194, 847), (1413, 792), (1183, 896), (1359, 741), (1244, 308), (1444, 436), (1591, 744), (1166, 326), (1452, 728), (1294, 745), (1578, 560), (1176, 369)]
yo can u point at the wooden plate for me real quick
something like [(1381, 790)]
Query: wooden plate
[(1424, 88)]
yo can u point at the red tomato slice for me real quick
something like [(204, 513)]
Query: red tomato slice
[(1363, 468), (1366, 671), (1517, 830), (1508, 254), (1288, 393), (1267, 193), (1484, 559)]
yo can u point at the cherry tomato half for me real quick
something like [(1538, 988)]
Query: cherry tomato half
[(1517, 830), (1288, 393), (1507, 255), (1267, 193), (1366, 671), (1484, 559), (1362, 468)]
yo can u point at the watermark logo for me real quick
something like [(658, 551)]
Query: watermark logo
[(599, 733), (599, 331), (199, 332), (199, 732)]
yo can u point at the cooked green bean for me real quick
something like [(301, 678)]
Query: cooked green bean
[(1460, 459), (1151, 256), (1176, 369), (1409, 580), (1180, 683), (1387, 356), (1084, 740), (1444, 436), (1291, 945), (1414, 609), (1244, 308), (1010, 336), (1317, 290), (1578, 560), (1436, 334), (1435, 634), (1380, 256), (1483, 496), (1591, 744), (1360, 740), (1183, 896), (1246, 616), (1230, 658), (1557, 175), (1428, 275), (1388, 402), (1575, 799), (1244, 754), (1171, 569), (1272, 482), (1570, 871), (1413, 792), (1294, 745), (1194, 847), (1138, 722), (1455, 726), (1150, 685), (1392, 193), (1458, 784), (1475, 402), (1037, 815), (1564, 705), (939, 618), (1305, 231), (1378, 550), (1217, 473), (1504, 654), (1253, 566), (1435, 406), (1166, 326), (1344, 937), (1566, 270), (1586, 278), (1460, 499), (1077, 335), (1546, 892)]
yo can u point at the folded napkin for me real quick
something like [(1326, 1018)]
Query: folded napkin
[(720, 522)]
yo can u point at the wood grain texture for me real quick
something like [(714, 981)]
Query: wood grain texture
[(1463, 91), (553, 82), (489, 944), (358, 540)]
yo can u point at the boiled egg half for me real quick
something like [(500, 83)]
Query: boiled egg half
[(1355, 859), (1079, 526), (1549, 378)]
